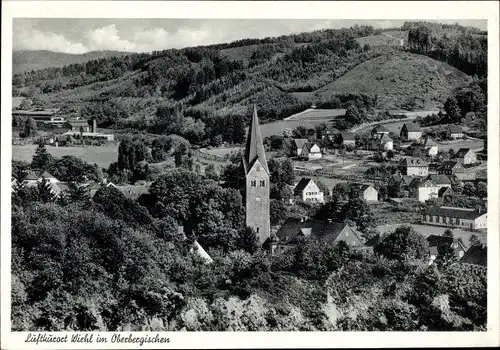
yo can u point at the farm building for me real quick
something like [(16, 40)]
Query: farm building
[(410, 132), (45, 116), (454, 132), (348, 138), (465, 156), (473, 219), (413, 166), (78, 125), (297, 146), (309, 151), (445, 192), (308, 191), (437, 244), (379, 129), (295, 230)]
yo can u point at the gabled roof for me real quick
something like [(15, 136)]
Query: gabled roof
[(302, 184), (445, 190), (429, 142), (198, 250), (348, 136), (420, 182), (299, 143), (449, 165), (385, 138), (435, 240), (47, 175), (455, 129), (78, 122), (452, 212), (359, 187), (380, 129), (413, 161), (254, 146), (476, 254), (411, 127), (440, 179), (462, 152), (316, 229)]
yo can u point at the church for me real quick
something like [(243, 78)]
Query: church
[(257, 185)]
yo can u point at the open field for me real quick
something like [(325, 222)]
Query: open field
[(276, 128), (103, 156), (321, 114), (473, 144), (427, 230)]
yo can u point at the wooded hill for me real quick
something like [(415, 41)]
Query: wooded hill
[(281, 75)]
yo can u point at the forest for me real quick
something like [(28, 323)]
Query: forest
[(202, 85)]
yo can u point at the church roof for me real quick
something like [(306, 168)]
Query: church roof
[(254, 147)]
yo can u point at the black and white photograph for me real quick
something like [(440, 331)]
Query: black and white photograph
[(239, 175)]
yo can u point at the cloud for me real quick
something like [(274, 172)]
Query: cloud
[(107, 38), (33, 39)]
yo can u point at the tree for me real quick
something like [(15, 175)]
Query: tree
[(239, 131), (71, 168), (211, 173), (281, 171), (78, 193), (402, 244), (448, 233), (358, 212), (469, 189), (452, 110), (29, 129), (279, 212), (247, 240), (474, 240), (42, 160), (353, 116), (481, 190), (20, 170), (45, 192), (280, 191)]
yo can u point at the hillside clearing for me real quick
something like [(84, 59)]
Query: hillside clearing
[(398, 80), (312, 113)]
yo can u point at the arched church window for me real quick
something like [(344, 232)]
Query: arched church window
[(262, 183), (253, 183)]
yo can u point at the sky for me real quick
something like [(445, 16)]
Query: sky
[(78, 36)]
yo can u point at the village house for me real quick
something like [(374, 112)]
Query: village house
[(476, 255), (427, 146), (413, 166), (454, 132), (348, 138), (380, 130), (353, 190), (78, 125), (295, 230), (450, 167), (44, 116), (381, 142), (329, 133), (403, 181), (423, 190), (33, 178), (465, 156), (440, 180), (445, 193), (411, 132), (297, 146), (308, 191), (473, 219), (310, 151), (437, 243)]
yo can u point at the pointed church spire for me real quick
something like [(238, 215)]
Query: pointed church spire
[(254, 147)]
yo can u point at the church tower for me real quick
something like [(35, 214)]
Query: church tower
[(257, 182)]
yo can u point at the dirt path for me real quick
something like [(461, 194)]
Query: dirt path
[(365, 125)]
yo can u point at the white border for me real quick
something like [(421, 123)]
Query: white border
[(271, 10)]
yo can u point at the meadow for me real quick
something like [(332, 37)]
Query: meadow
[(103, 156)]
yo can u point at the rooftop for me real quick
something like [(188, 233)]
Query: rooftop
[(453, 212), (413, 161), (412, 127)]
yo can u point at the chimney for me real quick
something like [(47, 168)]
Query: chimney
[(94, 125)]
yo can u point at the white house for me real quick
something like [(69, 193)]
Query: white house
[(308, 191), (311, 151), (423, 190), (472, 219)]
